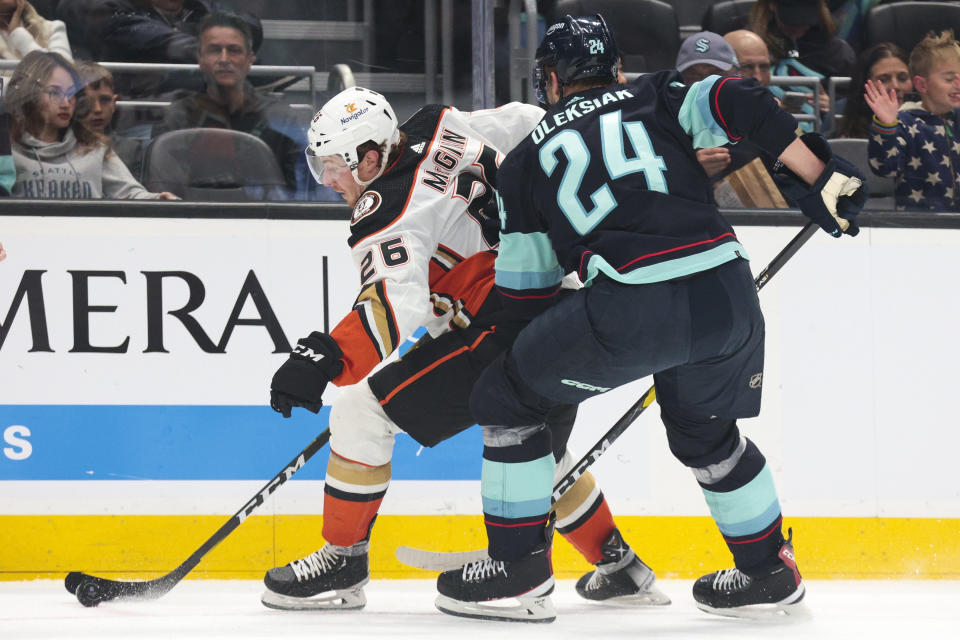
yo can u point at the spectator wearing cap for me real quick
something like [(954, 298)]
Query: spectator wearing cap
[(702, 55), (705, 54)]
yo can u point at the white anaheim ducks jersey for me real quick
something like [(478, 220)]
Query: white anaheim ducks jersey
[(424, 234)]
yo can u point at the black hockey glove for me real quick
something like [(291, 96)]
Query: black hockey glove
[(836, 196), (300, 381)]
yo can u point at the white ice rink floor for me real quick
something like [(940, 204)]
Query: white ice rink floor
[(398, 609)]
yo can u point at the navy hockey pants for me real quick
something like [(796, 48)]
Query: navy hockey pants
[(701, 337)]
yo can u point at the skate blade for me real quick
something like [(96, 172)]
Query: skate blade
[(530, 609), (790, 609), (341, 600), (652, 597)]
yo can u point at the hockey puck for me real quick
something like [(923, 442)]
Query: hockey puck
[(72, 581), (89, 594)]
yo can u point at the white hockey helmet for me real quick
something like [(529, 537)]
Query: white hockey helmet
[(349, 119)]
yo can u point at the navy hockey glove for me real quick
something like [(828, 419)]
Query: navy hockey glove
[(835, 198), (300, 381)]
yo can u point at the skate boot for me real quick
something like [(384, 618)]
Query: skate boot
[(621, 577), (331, 578), (464, 592), (776, 591)]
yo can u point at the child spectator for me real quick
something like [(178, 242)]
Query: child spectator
[(919, 146), (23, 30), (885, 64), (96, 110), (55, 155)]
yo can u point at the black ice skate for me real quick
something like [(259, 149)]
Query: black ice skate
[(330, 578), (464, 591), (775, 592), (621, 577)]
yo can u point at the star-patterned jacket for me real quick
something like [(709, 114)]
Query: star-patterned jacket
[(922, 153)]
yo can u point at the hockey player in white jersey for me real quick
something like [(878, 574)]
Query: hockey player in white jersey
[(423, 236)]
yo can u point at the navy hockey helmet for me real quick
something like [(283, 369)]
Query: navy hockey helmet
[(579, 48)]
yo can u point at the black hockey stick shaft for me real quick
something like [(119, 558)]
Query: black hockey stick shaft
[(567, 481), (101, 589)]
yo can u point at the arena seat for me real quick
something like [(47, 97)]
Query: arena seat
[(854, 150), (211, 165), (906, 23), (690, 14), (724, 17)]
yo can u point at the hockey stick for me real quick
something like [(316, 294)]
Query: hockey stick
[(446, 561), (91, 590)]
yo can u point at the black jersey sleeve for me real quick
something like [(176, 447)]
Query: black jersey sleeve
[(528, 274), (722, 109)]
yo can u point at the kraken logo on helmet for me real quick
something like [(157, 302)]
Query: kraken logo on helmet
[(579, 48)]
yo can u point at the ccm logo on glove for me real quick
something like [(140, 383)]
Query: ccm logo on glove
[(301, 380)]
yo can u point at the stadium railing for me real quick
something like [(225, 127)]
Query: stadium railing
[(308, 73), (338, 211)]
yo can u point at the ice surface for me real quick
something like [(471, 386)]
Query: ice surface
[(399, 609)]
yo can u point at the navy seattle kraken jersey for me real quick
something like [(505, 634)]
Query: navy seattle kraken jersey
[(608, 182)]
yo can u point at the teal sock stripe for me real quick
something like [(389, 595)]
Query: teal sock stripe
[(748, 509), (517, 489)]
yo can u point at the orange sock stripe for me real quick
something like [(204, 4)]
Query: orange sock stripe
[(346, 522), (588, 537)]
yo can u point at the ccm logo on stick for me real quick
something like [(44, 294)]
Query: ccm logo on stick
[(19, 449), (584, 386)]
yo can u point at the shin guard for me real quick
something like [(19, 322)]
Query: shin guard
[(516, 482), (743, 501), (584, 518), (352, 496)]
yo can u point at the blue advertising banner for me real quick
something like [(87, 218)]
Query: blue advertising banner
[(138, 442)]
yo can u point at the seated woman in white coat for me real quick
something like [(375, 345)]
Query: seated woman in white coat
[(23, 30)]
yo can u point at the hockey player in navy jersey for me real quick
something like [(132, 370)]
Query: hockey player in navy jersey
[(608, 185), (424, 245)]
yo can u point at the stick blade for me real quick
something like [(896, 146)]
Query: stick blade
[(437, 560), (73, 580)]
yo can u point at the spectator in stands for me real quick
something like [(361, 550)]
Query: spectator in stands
[(55, 155), (800, 37), (886, 65), (8, 172), (97, 109), (705, 54), (23, 30), (230, 102), (919, 144), (153, 30), (849, 16), (753, 57), (802, 30)]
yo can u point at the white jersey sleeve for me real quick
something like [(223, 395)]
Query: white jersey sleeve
[(415, 224)]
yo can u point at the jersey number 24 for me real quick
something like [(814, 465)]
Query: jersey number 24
[(570, 142)]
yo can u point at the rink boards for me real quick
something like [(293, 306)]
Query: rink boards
[(136, 356)]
